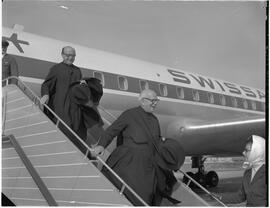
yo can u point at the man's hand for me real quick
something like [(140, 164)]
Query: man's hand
[(44, 100), (97, 151), (178, 175)]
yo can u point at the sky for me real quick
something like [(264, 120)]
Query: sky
[(219, 39)]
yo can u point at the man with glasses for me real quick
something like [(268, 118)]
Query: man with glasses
[(54, 88), (133, 159)]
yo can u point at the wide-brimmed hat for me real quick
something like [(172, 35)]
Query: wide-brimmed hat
[(96, 88), (95, 84), (172, 153)]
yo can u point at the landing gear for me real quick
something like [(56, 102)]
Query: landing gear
[(205, 179)]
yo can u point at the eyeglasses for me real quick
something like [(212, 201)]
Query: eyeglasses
[(69, 55), (153, 101)]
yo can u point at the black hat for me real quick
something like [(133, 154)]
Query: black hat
[(5, 44), (96, 88), (95, 84), (172, 153)]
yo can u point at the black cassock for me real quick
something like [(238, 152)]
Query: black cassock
[(134, 159), (56, 85), (78, 115)]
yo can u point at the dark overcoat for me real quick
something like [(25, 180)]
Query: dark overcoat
[(254, 192), (134, 159), (80, 116), (57, 83)]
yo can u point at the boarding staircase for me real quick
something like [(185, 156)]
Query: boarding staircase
[(41, 166)]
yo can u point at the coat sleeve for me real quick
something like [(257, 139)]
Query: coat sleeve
[(112, 131), (48, 86), (234, 198)]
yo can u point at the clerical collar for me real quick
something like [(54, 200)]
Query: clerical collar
[(67, 64)]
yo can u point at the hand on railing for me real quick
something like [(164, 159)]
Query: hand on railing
[(97, 151), (44, 100), (178, 175)]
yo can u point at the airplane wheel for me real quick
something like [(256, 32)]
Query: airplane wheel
[(212, 179), (186, 179)]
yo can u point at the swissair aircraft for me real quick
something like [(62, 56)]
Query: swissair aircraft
[(207, 116)]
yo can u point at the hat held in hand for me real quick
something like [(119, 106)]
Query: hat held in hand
[(172, 153)]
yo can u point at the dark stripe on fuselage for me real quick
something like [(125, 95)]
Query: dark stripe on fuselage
[(34, 68)]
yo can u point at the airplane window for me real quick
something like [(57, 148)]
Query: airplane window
[(122, 83), (195, 94), (100, 76), (234, 102), (253, 105), (222, 99), (144, 85), (245, 103), (180, 92), (210, 97), (263, 106), (163, 90)]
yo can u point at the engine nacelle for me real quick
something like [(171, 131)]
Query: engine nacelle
[(224, 137)]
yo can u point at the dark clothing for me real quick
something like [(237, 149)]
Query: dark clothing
[(79, 116), (173, 155), (134, 159), (165, 184), (9, 67), (57, 83), (253, 192)]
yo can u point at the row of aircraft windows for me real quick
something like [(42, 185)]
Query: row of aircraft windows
[(163, 90)]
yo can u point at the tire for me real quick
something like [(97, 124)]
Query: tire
[(212, 179)]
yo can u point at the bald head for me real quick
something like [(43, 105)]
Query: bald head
[(147, 93), (148, 100), (68, 55)]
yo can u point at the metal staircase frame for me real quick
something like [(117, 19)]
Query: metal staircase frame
[(36, 100), (191, 180), (32, 171)]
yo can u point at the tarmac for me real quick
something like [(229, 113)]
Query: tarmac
[(230, 174)]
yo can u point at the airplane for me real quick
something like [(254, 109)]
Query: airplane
[(208, 116)]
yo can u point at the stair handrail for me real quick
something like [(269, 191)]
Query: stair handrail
[(36, 100), (201, 187), (32, 171), (4, 106)]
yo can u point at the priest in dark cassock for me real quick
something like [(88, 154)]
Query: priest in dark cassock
[(54, 88), (81, 112), (135, 159)]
